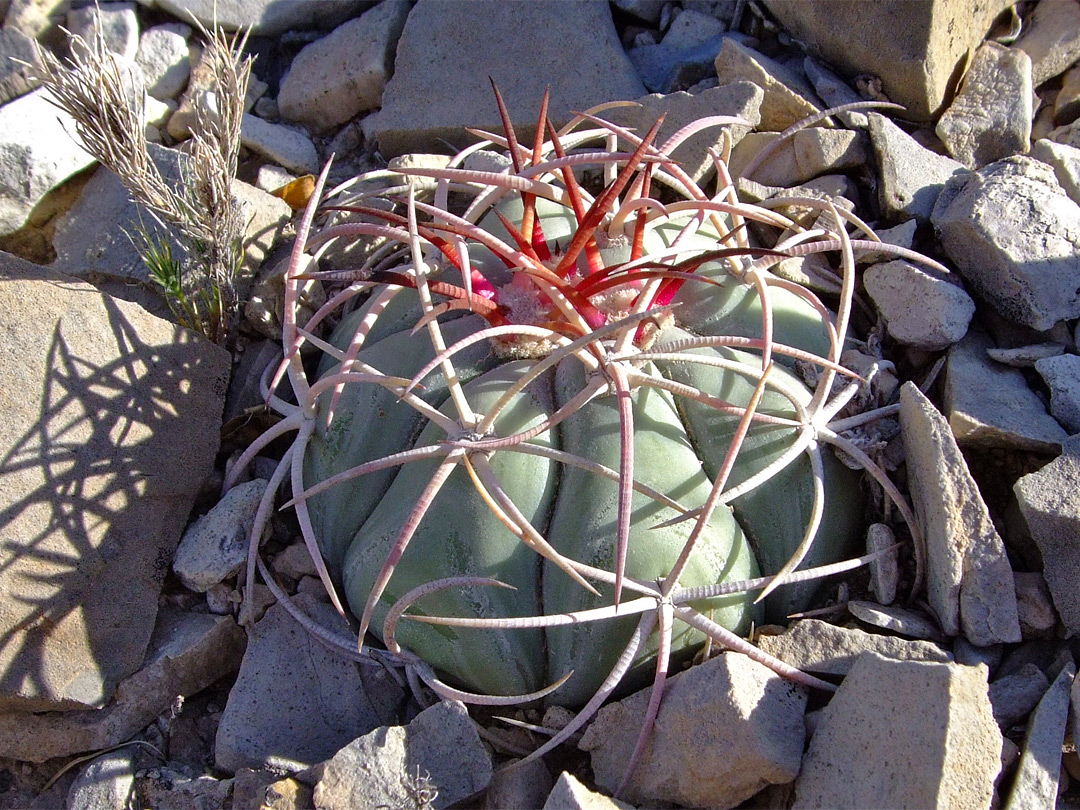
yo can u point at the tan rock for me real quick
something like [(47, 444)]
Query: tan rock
[(787, 97)]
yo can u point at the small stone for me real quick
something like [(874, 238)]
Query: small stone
[(809, 153), (284, 145), (921, 308), (816, 646), (928, 729), (911, 175), (647, 10), (107, 782), (219, 600), (969, 655), (990, 118), (1025, 356), (570, 794), (525, 786), (1051, 39), (1064, 160), (271, 178), (1067, 103), (899, 620), (1062, 375), (294, 562), (1036, 782), (835, 92), (266, 301), (902, 235), (787, 97), (435, 761), (883, 570), (179, 787), (260, 17), (114, 23), (164, 59), (991, 405), (738, 721), (1013, 696), (215, 546), (969, 579), (1034, 604)]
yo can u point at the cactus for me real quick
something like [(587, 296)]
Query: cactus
[(561, 420)]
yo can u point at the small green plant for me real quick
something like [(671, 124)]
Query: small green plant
[(201, 214)]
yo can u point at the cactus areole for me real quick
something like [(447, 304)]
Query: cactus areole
[(559, 429)]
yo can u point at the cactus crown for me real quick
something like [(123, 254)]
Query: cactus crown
[(508, 239)]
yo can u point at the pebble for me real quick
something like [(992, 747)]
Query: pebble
[(816, 646), (115, 23), (809, 153), (1025, 356), (883, 570), (927, 728), (1034, 604), (570, 794), (1067, 103), (1035, 786), (1013, 696), (16, 79), (164, 60), (1051, 40), (1065, 161), (108, 782), (739, 722), (897, 619), (529, 785), (286, 146), (788, 98), (294, 562), (1062, 375), (921, 308), (969, 579), (990, 118)]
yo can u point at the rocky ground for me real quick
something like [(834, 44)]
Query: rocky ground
[(124, 676)]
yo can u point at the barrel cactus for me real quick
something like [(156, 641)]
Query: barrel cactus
[(563, 406)]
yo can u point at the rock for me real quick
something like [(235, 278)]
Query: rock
[(1036, 783), (991, 405), (834, 91), (738, 721), (294, 562), (1015, 237), (915, 48), (969, 580), (1051, 39), (1025, 356), (108, 782), (343, 74), (927, 727), (291, 682), (897, 619), (1067, 103), (180, 788), (215, 546), (434, 94), (1062, 375), (265, 18), (684, 56), (1049, 501), (1013, 696), (921, 308), (37, 153), (1034, 604), (201, 94), (883, 571), (816, 646), (163, 59), (138, 403), (990, 118), (526, 786), (266, 301), (741, 99), (809, 153), (969, 655), (1065, 161), (788, 98), (266, 790), (647, 10), (570, 794), (187, 653), (438, 755), (284, 145), (911, 175), (115, 23), (902, 235), (16, 79)]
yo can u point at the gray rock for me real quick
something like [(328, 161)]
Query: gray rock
[(115, 23), (834, 91), (1049, 501), (921, 308), (788, 97), (740, 723), (439, 754), (1034, 604), (526, 786), (107, 783), (1013, 696), (37, 153), (1062, 375), (991, 405), (215, 546), (92, 518), (684, 56), (570, 794), (180, 788), (897, 619), (1051, 39), (1036, 783), (187, 653), (262, 17), (295, 700), (927, 728), (294, 562), (809, 153), (647, 10), (902, 235), (969, 580), (883, 571), (1025, 356), (16, 79), (434, 93), (969, 655), (816, 646), (164, 60), (343, 74), (284, 145), (1015, 237), (990, 118), (1065, 161), (1067, 102), (911, 175), (741, 99)]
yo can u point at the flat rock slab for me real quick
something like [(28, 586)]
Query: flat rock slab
[(725, 730), (1036, 784), (434, 762), (295, 700), (111, 424), (816, 646), (446, 45), (1015, 237), (1049, 500), (903, 734), (969, 579), (188, 652)]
